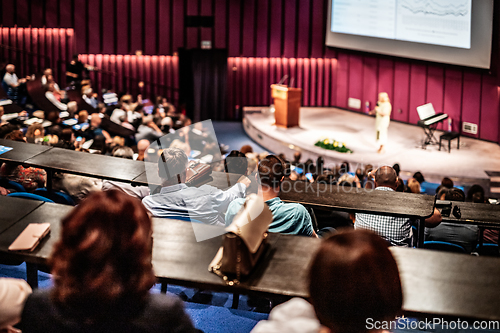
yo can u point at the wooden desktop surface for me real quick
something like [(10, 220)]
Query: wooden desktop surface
[(434, 283)]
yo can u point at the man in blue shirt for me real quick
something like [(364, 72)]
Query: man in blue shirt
[(288, 218), (206, 203)]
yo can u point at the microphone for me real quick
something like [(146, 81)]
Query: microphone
[(283, 79), (291, 81)]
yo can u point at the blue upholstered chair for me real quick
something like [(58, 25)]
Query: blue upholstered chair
[(29, 196), (443, 246)]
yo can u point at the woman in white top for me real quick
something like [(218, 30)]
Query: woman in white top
[(383, 118)]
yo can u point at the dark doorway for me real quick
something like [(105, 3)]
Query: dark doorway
[(203, 83)]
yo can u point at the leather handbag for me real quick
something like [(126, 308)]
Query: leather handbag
[(244, 243), (197, 172)]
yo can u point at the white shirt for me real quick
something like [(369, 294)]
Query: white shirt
[(295, 316), (119, 114), (205, 203), (13, 295), (134, 191), (11, 79), (53, 100)]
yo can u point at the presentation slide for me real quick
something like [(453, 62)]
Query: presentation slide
[(437, 22)]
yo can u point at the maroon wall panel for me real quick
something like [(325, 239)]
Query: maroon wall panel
[(355, 77), (23, 19), (290, 30), (8, 18), (262, 27), (401, 92), (192, 34), (234, 28), (342, 79), (177, 32), (417, 90), (386, 76), (453, 97), (370, 69), (206, 10), (51, 19), (320, 82), (318, 29), (136, 25), (294, 29), (220, 24), (108, 28), (488, 125), (304, 33), (327, 82), (94, 31), (37, 14), (81, 31), (313, 82), (275, 27), (248, 33), (164, 27), (471, 102), (435, 89)]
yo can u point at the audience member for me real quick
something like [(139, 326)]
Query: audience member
[(30, 178), (397, 168), (413, 186), (352, 277), (35, 133), (89, 96), (148, 130), (465, 235), (13, 85), (142, 147), (288, 218), (138, 192), (396, 230), (476, 194), (205, 203), (447, 182), (246, 149), (13, 295), (419, 177), (102, 274), (236, 162)]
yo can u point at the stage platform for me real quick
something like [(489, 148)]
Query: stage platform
[(466, 166)]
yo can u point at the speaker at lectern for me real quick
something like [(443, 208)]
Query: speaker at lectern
[(286, 104)]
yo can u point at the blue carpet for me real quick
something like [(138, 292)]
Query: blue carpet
[(232, 134), (210, 311)]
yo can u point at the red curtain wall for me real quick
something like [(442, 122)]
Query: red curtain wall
[(265, 39)]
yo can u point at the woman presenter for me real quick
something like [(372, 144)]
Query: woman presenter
[(383, 118)]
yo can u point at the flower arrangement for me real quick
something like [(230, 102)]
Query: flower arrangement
[(331, 144)]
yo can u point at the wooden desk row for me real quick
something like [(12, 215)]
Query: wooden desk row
[(434, 283), (314, 195)]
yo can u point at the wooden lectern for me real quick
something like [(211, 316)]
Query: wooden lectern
[(286, 104)]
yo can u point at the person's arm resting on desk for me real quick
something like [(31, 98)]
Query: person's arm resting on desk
[(434, 220)]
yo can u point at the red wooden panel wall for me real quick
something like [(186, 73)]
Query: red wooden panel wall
[(266, 39), (33, 49)]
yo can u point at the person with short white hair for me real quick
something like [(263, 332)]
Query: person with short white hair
[(206, 203)]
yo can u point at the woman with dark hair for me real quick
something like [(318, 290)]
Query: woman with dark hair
[(102, 274), (30, 178), (353, 278)]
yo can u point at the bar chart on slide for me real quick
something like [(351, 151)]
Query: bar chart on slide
[(438, 22)]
